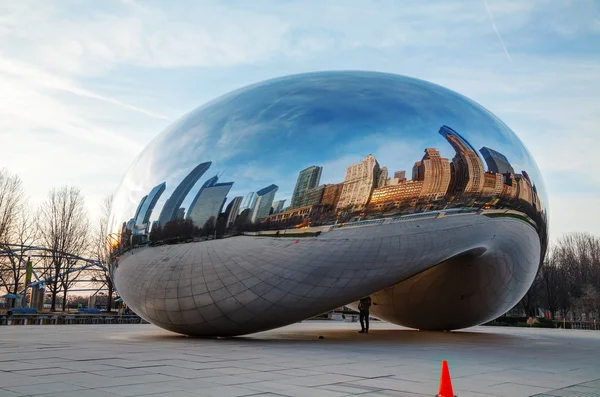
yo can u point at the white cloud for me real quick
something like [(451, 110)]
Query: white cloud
[(131, 53)]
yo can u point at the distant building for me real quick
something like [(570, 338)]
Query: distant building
[(434, 172), (314, 195), (144, 213), (493, 184), (306, 212), (233, 209), (181, 214), (359, 182), (248, 202), (400, 175), (169, 211), (395, 195), (467, 176), (139, 207), (496, 161), (308, 178), (331, 194), (130, 225), (278, 206), (382, 177), (536, 199), (264, 201), (524, 191), (510, 187), (209, 201)]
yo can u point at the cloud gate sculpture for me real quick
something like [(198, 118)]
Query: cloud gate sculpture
[(295, 196)]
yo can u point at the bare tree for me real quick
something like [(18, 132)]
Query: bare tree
[(553, 290), (588, 303), (11, 201), (11, 205), (63, 230), (101, 249), (578, 255), (569, 276), (13, 262)]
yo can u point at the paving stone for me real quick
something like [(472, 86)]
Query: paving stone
[(127, 360)]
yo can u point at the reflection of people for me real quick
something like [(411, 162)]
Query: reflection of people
[(363, 307)]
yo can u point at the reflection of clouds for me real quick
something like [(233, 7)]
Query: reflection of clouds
[(267, 133), (397, 154), (256, 173), (237, 136), (334, 171), (252, 177)]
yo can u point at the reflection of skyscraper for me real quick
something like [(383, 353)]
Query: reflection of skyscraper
[(181, 214), (331, 194), (510, 187), (145, 212), (233, 209), (209, 201), (307, 179), (248, 202), (264, 201), (434, 171), (536, 199), (382, 177), (139, 207), (468, 168), (524, 191), (359, 183), (395, 195), (496, 162), (169, 211), (208, 183), (314, 195), (130, 224), (278, 206), (493, 184)]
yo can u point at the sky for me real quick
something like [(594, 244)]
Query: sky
[(87, 85), (266, 133)]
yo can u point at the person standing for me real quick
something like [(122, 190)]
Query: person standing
[(363, 308)]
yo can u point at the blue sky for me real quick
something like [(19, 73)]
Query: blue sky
[(86, 85), (266, 133)]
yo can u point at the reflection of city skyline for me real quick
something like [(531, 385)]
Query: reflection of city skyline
[(367, 187), (436, 183), (173, 203)]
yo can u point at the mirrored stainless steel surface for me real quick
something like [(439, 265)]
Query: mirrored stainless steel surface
[(292, 197)]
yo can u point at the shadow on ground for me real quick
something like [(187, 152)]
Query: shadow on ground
[(322, 333)]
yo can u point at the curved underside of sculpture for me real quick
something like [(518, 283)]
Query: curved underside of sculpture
[(443, 273)]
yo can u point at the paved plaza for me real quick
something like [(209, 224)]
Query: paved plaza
[(131, 360)]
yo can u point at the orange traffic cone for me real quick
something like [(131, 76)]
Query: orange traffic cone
[(445, 382)]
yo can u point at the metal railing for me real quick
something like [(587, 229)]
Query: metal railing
[(54, 319)]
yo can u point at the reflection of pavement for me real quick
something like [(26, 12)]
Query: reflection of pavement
[(247, 284), (126, 360)]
